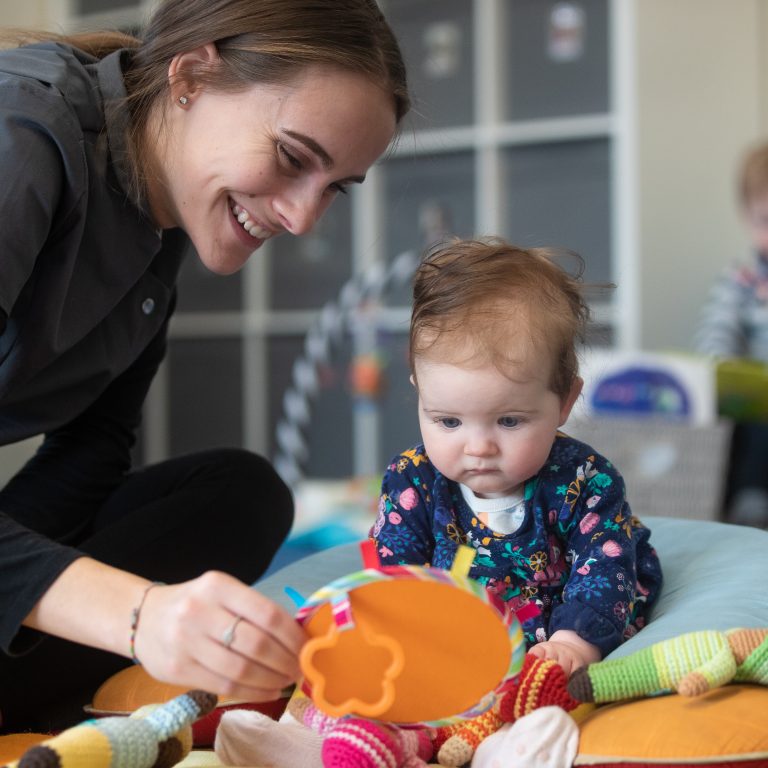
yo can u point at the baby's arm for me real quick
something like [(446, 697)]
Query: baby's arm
[(568, 649), (403, 531), (599, 597)]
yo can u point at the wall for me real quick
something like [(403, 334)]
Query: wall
[(699, 104), (33, 13)]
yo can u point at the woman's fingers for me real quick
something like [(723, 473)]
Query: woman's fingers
[(208, 680), (239, 664), (256, 642), (272, 621), (216, 633)]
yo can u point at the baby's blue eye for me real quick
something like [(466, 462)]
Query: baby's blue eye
[(450, 422), (508, 421)]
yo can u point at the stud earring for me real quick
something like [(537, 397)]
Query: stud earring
[(183, 100)]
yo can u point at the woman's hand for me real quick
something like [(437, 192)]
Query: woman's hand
[(568, 649), (183, 630), (218, 634)]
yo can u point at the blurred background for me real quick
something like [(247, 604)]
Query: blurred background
[(610, 127)]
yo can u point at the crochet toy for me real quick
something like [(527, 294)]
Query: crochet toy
[(690, 664), (380, 640), (541, 683), (155, 736), (358, 743), (545, 738), (348, 742), (351, 742)]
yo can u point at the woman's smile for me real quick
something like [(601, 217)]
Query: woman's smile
[(248, 223)]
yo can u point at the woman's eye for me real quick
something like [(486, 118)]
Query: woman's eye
[(290, 158), (450, 422), (339, 187), (508, 421)]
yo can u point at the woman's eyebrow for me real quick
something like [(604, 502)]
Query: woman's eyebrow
[(318, 150), (312, 146)]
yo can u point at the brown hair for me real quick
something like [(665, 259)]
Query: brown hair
[(473, 289), (753, 179), (258, 41)]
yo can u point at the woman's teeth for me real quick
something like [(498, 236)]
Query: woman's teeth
[(253, 229)]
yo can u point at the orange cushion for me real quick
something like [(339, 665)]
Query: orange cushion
[(727, 726), (14, 745), (133, 687)]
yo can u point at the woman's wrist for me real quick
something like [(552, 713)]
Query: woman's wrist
[(90, 603), (136, 618)]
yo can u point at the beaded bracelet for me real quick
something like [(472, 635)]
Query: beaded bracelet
[(135, 613)]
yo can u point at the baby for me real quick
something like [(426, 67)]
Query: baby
[(493, 358)]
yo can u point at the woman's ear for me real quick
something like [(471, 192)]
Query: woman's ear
[(184, 68), (570, 399)]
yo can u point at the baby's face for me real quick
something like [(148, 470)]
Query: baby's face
[(485, 429), (756, 213)]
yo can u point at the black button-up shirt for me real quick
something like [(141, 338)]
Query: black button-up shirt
[(86, 292)]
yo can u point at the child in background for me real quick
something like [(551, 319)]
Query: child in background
[(734, 324), (493, 357)]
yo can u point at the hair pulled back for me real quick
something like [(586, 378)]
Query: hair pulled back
[(258, 41)]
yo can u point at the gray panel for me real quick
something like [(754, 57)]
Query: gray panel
[(555, 58), (205, 386), (99, 6), (558, 195), (201, 290), (436, 39), (308, 271), (398, 403), (427, 198), (599, 336), (329, 432)]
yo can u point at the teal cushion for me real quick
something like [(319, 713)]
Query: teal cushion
[(715, 577)]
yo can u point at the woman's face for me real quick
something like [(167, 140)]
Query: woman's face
[(238, 169)]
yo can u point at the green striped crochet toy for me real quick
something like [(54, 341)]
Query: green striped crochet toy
[(690, 664)]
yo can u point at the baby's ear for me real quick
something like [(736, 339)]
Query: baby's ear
[(412, 379), (570, 399)]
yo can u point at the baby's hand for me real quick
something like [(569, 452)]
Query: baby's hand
[(568, 649)]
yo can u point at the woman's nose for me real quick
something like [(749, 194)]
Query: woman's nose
[(298, 209)]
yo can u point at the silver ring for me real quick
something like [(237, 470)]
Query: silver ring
[(229, 633)]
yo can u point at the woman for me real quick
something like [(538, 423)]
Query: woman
[(227, 123)]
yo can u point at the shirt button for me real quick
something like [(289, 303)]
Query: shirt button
[(148, 306)]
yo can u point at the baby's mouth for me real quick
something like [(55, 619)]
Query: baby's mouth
[(248, 224)]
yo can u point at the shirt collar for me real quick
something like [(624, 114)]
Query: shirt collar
[(111, 81)]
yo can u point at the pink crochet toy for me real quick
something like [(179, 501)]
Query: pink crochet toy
[(358, 743), (351, 742)]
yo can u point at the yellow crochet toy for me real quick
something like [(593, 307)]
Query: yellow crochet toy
[(690, 664), (155, 736)]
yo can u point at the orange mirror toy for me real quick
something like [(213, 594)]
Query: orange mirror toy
[(409, 644)]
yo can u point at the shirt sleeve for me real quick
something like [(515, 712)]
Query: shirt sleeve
[(600, 597), (721, 331), (403, 528), (47, 506)]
